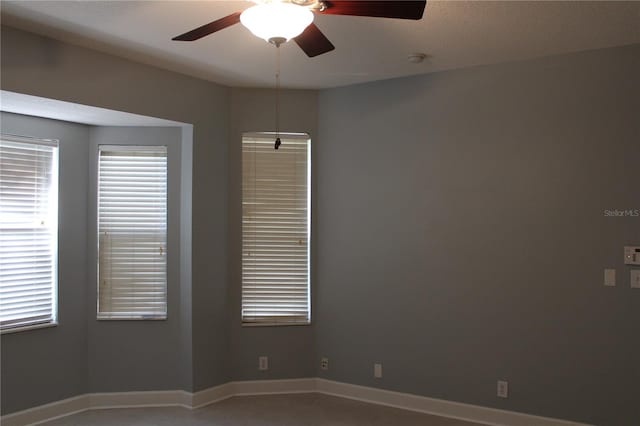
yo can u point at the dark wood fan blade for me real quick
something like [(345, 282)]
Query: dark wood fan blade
[(313, 42), (210, 28), (399, 9)]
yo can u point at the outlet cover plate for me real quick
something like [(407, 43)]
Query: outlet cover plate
[(503, 389), (263, 363), (324, 363), (610, 277), (377, 371)]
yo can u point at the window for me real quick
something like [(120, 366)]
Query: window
[(276, 213), (132, 232), (28, 231)]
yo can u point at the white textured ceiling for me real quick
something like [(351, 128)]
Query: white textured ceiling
[(455, 34)]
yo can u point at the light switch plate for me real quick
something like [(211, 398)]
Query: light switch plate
[(632, 255), (610, 277), (377, 371), (263, 363), (635, 278)]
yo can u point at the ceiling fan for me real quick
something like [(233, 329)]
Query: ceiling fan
[(278, 21)]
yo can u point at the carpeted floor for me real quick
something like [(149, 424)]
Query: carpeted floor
[(268, 410)]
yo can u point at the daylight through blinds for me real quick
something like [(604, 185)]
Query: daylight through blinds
[(28, 231), (276, 203), (132, 232)]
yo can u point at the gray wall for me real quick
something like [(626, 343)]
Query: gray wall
[(461, 235), (119, 358), (290, 349), (97, 356), (44, 67), (49, 364)]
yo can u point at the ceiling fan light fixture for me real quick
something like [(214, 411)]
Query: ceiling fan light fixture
[(276, 21)]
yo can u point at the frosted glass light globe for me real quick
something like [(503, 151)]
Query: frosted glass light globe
[(272, 21)]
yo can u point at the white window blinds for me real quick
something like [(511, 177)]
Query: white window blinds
[(28, 231), (132, 232), (276, 201)]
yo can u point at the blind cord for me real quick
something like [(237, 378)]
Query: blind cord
[(278, 142)]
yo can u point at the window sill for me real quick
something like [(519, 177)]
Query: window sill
[(141, 318), (28, 327), (275, 324)]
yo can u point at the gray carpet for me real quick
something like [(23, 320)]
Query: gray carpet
[(269, 410)]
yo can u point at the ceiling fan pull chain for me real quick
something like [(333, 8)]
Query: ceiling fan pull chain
[(278, 142)]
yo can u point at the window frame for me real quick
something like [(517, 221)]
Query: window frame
[(270, 322), (132, 148), (53, 213)]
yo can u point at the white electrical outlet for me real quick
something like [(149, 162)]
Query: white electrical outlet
[(324, 363), (503, 389), (610, 277), (263, 363), (377, 371), (635, 278)]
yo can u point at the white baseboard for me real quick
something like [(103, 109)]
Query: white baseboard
[(211, 395), (46, 412), (457, 410), (139, 399), (274, 387), (440, 407), (91, 401)]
